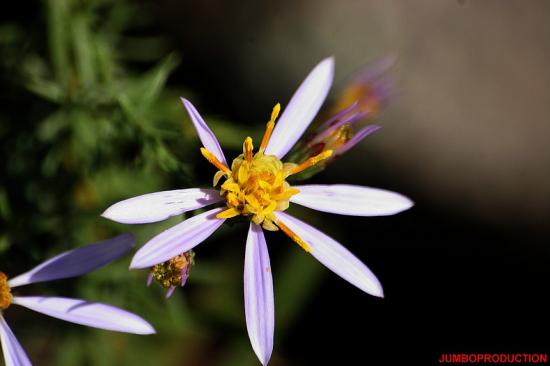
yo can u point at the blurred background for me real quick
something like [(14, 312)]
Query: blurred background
[(90, 115)]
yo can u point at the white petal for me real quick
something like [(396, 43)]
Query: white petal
[(351, 200), (258, 294), (301, 109), (14, 355), (77, 261), (91, 314), (178, 239), (158, 206), (334, 256), (207, 137)]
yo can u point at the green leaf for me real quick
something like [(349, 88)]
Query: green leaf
[(58, 27), (83, 48), (51, 127), (149, 87), (38, 79), (5, 210)]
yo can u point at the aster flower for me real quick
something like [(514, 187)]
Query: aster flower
[(255, 186), (68, 264)]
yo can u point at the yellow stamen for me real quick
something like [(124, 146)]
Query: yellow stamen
[(311, 162), (231, 186), (270, 208), (292, 235), (212, 159), (232, 200), (270, 126), (269, 225), (227, 214), (247, 149), (219, 175)]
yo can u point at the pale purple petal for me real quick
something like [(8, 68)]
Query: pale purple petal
[(350, 119), (158, 206), (14, 355), (358, 117), (91, 314), (77, 261), (258, 294), (149, 279), (375, 70), (178, 239), (301, 109), (337, 117), (184, 276), (207, 137), (334, 256), (360, 135), (170, 291), (351, 200)]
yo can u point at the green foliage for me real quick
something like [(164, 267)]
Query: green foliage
[(89, 118)]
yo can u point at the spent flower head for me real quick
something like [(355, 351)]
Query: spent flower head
[(68, 264), (255, 186), (173, 272), (360, 101)]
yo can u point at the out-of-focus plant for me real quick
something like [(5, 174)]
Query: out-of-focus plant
[(85, 119), (87, 116)]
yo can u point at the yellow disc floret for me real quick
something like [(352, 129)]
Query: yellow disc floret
[(5, 292), (256, 185)]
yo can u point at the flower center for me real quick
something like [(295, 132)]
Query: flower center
[(5, 292), (256, 185)]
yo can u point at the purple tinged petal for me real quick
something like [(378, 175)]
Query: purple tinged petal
[(77, 261), (334, 256), (358, 117), (170, 291), (384, 89), (350, 119), (301, 109), (351, 200), (338, 116), (149, 279), (178, 239), (91, 314), (158, 206), (207, 137), (14, 355), (258, 294), (360, 135), (375, 70), (184, 276)]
